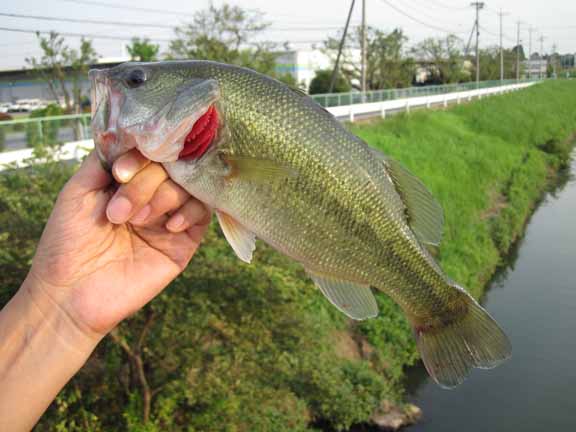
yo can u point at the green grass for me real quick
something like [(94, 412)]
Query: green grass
[(240, 348)]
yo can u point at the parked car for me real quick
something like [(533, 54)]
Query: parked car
[(4, 107), (27, 105)]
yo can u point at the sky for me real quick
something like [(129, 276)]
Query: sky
[(303, 23)]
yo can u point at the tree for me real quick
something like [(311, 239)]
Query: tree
[(387, 65), (321, 83), (60, 64), (443, 59), (490, 64), (226, 34), (143, 50)]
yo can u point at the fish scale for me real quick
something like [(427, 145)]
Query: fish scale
[(298, 136)]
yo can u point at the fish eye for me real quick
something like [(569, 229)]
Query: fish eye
[(135, 78)]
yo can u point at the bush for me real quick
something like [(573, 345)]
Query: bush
[(321, 83)]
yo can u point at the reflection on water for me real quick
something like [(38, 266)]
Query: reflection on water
[(534, 299)]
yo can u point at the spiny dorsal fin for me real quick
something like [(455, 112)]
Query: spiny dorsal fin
[(242, 241), (424, 213), (354, 300)]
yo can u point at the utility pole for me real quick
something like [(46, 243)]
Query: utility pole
[(518, 53), (364, 49), (542, 57), (554, 60), (501, 14), (530, 31), (337, 64), (478, 6)]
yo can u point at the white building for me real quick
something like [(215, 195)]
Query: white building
[(536, 68), (302, 65)]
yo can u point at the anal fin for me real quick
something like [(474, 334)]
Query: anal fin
[(354, 300), (242, 240)]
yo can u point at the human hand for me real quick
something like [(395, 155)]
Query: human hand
[(104, 254)]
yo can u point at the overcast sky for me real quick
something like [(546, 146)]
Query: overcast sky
[(301, 22)]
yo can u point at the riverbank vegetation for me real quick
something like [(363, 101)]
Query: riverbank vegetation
[(238, 347)]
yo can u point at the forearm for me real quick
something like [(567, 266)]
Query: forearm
[(40, 350)]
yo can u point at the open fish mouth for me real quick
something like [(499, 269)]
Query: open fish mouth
[(106, 103)]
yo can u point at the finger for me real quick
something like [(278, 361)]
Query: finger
[(90, 176), (190, 214), (168, 197), (128, 165), (131, 197)]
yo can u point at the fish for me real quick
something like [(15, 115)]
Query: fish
[(276, 166)]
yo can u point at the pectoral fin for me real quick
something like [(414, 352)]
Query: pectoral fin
[(424, 214), (242, 241), (257, 170), (354, 300)]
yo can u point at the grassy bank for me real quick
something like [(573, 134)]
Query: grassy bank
[(256, 348)]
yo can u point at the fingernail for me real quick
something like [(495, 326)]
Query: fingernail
[(142, 215), (119, 210), (175, 223), (125, 171)]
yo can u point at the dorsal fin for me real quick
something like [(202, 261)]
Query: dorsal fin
[(424, 214)]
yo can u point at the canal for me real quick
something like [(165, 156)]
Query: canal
[(534, 299)]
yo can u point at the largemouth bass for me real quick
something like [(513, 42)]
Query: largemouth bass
[(275, 165)]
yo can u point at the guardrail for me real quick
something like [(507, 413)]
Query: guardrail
[(32, 132), (382, 109), (343, 99), (77, 129)]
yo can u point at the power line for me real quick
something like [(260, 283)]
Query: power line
[(442, 5), (129, 38), (71, 34), (432, 4), (417, 20), (142, 24), (86, 21), (130, 8)]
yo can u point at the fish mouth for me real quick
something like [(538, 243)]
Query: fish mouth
[(106, 102)]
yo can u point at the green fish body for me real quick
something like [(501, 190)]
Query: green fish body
[(282, 169)]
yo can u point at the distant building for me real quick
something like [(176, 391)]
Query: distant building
[(568, 61), (302, 65), (25, 84), (536, 67)]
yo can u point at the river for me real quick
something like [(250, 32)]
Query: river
[(534, 299)]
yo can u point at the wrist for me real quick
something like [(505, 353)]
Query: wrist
[(40, 351), (48, 307)]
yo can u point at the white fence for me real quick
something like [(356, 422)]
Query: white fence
[(75, 150), (353, 112)]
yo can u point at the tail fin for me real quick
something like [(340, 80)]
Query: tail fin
[(473, 341)]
